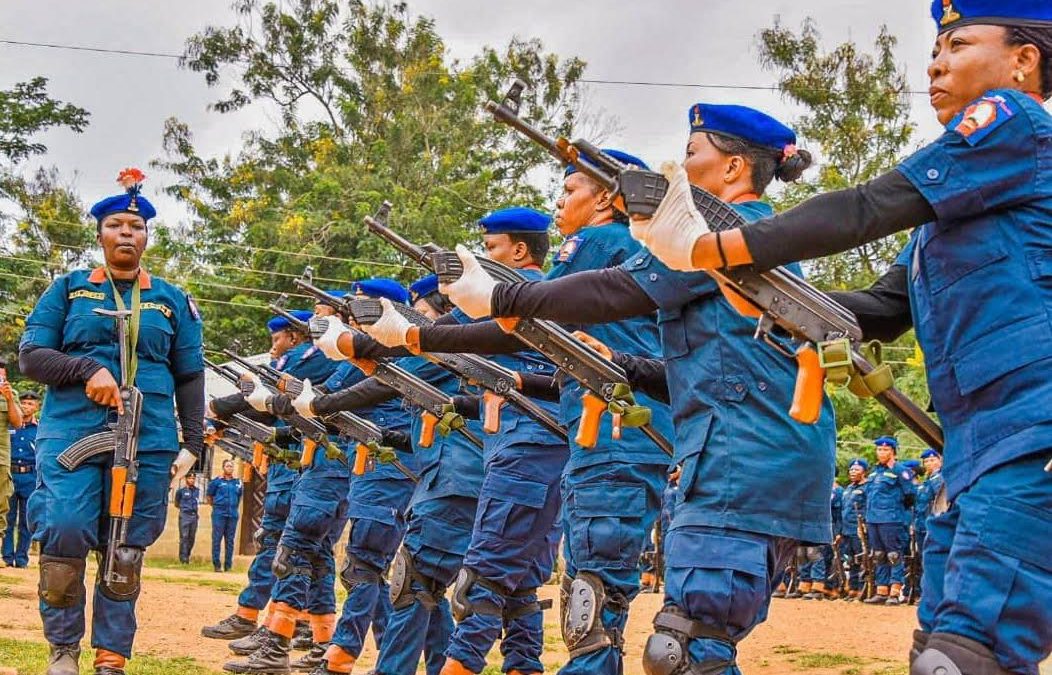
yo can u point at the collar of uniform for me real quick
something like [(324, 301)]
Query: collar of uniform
[(98, 275)]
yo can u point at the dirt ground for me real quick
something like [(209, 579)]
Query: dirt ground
[(817, 637)]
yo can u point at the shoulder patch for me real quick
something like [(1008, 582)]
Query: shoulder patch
[(569, 249), (309, 353), (980, 118), (162, 308), (85, 293), (192, 306)]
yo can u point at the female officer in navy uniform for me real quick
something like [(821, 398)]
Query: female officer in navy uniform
[(753, 482), (75, 353), (976, 284)]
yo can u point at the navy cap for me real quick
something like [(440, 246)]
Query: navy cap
[(619, 155), (381, 287), (281, 323), (914, 465), (29, 394), (860, 463), (336, 293), (742, 122), (515, 219), (423, 286), (950, 14), (930, 453), (129, 202), (887, 440)]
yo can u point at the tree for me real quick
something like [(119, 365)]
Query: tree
[(372, 108), (857, 118), (27, 110)]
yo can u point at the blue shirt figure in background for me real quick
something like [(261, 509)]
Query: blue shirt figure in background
[(187, 499), (24, 477), (224, 494)]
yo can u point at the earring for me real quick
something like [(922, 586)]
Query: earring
[(1019, 76)]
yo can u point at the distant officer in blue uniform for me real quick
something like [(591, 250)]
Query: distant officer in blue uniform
[(24, 476), (853, 506), (224, 494), (241, 626), (889, 506), (744, 501), (824, 582), (74, 352), (974, 284), (187, 499), (927, 492)]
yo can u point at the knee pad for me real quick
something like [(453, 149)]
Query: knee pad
[(121, 580), (894, 557), (814, 553), (582, 625), (355, 572), (947, 654), (879, 557), (460, 603), (283, 566), (920, 643), (403, 574), (667, 651), (61, 581), (319, 566)]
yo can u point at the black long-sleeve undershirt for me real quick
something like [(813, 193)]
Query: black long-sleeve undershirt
[(645, 374), (54, 368), (589, 297), (838, 221), (190, 404), (883, 309), (365, 394)]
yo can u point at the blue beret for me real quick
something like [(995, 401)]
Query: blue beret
[(515, 219), (741, 122), (930, 453), (281, 323), (423, 287), (381, 287), (336, 293), (619, 155), (887, 440), (950, 14), (859, 462), (128, 202)]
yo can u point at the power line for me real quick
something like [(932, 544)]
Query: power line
[(84, 48)]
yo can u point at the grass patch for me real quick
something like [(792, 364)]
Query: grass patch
[(195, 565), (851, 671), (221, 585), (30, 658), (8, 579), (897, 669), (785, 649), (812, 660)]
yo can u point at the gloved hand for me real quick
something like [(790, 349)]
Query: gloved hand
[(302, 403), (258, 398), (329, 336), (670, 234), (390, 330), (181, 466), (473, 290)]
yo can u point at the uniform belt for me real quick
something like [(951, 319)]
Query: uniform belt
[(23, 468)]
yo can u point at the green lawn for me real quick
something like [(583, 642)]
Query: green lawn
[(195, 565), (30, 658)]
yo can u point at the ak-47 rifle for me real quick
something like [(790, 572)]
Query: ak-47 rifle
[(839, 575), (439, 413), (829, 336), (913, 570), (499, 384), (869, 574), (606, 386), (119, 576)]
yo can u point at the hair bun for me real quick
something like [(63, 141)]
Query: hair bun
[(792, 166)]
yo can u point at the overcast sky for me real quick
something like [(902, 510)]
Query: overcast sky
[(682, 41)]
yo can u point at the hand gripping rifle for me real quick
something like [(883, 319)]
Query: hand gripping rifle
[(605, 383), (828, 334), (119, 576), (499, 384), (438, 413), (314, 432)]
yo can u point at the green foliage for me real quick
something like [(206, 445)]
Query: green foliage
[(30, 658), (25, 111), (372, 108), (857, 121)]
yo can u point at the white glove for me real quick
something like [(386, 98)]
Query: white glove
[(326, 342), (302, 402), (676, 225), (181, 466), (258, 398), (390, 330), (473, 291)]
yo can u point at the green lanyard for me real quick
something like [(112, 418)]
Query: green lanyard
[(133, 330)]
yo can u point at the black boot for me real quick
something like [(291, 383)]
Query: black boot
[(303, 638), (108, 670), (63, 660), (272, 658), (313, 658), (230, 628), (249, 643)]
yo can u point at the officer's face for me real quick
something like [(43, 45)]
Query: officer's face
[(885, 455), (581, 200), (932, 464), (323, 310), (967, 62), (425, 308), (228, 468), (190, 480), (501, 248), (30, 406), (855, 473), (281, 342), (122, 237), (710, 168)]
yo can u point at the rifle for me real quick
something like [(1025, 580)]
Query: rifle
[(839, 576), (438, 410), (791, 576), (498, 383), (869, 586), (118, 575), (605, 383), (828, 334), (659, 556), (914, 570)]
